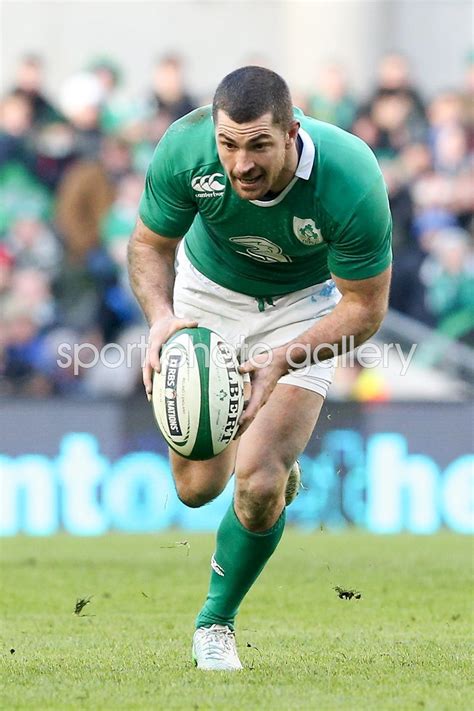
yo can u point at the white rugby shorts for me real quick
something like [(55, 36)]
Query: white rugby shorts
[(252, 325)]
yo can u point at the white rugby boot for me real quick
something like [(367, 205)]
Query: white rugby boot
[(214, 649), (293, 484)]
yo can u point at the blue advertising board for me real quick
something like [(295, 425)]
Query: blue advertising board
[(88, 468)]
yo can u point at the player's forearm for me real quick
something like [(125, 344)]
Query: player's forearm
[(350, 324), (152, 278)]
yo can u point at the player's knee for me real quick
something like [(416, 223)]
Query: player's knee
[(195, 497), (260, 489)]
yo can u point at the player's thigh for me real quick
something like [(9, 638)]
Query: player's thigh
[(279, 433), (205, 477)]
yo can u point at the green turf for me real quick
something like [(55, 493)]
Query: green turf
[(404, 645)]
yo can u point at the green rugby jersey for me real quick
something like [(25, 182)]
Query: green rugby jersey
[(333, 217)]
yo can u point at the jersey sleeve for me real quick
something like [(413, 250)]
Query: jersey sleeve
[(166, 207), (363, 247)]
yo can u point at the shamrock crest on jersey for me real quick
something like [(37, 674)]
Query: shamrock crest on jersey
[(306, 231)]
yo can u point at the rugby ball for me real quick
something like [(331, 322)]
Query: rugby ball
[(198, 396)]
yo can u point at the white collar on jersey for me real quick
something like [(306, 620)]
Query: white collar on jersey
[(303, 170), (305, 166)]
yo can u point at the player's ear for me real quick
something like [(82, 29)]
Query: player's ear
[(292, 133)]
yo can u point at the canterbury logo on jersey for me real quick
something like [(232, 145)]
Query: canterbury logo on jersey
[(208, 185), (216, 567)]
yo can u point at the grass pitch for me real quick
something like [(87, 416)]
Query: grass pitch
[(405, 644)]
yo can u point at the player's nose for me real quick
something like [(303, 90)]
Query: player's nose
[(243, 165)]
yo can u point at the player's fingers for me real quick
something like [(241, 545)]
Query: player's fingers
[(157, 338), (156, 350), (147, 374), (246, 367), (153, 356), (251, 407), (187, 324)]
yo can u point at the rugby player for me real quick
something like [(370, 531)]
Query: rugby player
[(287, 242)]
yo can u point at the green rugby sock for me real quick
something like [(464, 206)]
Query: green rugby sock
[(238, 561)]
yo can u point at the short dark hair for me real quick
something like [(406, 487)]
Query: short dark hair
[(249, 92)]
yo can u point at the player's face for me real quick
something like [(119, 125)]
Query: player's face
[(257, 156)]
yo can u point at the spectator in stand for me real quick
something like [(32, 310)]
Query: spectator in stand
[(55, 148), (121, 217), (88, 275), (451, 117), (6, 271), (170, 99), (394, 116), (365, 128), (87, 272), (21, 353), (117, 112), (415, 161), (394, 79), (33, 245), (407, 291), (448, 276), (28, 313), (401, 174), (115, 233), (16, 121), (33, 133), (31, 288), (81, 97), (397, 123), (21, 190), (401, 203), (445, 109), (125, 118), (29, 83), (450, 151), (86, 193), (108, 75), (78, 292), (448, 132), (448, 185), (467, 97), (332, 101)]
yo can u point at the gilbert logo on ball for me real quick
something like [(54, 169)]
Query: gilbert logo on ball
[(198, 396)]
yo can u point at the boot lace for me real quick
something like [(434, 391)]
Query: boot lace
[(217, 642)]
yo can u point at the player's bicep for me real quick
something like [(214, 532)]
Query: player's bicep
[(144, 236)]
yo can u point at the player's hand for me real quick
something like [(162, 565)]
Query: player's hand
[(264, 375), (160, 331)]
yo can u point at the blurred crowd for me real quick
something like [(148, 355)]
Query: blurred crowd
[(71, 174)]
